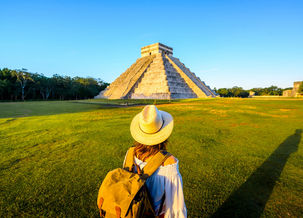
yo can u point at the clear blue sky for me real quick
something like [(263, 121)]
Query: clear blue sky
[(246, 43)]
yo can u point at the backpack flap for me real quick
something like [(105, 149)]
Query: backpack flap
[(117, 191), (154, 163), (129, 159)]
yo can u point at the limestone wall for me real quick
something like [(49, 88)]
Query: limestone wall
[(293, 92), (296, 86), (155, 49), (287, 93)]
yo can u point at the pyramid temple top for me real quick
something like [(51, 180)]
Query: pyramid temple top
[(156, 48)]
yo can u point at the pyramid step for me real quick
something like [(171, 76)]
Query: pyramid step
[(153, 83), (193, 77)]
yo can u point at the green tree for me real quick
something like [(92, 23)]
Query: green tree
[(272, 90), (257, 91), (10, 89), (224, 92), (38, 86), (239, 92), (22, 77), (301, 88), (44, 85), (62, 87), (3, 86)]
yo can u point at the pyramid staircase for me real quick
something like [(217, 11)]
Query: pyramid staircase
[(206, 89)]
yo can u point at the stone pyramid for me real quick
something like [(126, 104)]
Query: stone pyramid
[(157, 75)]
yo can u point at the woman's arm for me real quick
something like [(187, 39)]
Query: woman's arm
[(174, 204)]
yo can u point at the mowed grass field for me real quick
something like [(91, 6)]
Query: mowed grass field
[(238, 157)]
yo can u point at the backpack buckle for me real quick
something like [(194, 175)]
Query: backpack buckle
[(144, 176)]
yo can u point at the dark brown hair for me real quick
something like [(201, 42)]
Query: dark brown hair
[(143, 152)]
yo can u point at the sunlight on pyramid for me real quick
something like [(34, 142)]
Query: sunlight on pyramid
[(157, 75)]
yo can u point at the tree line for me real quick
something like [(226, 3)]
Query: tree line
[(20, 85), (240, 92)]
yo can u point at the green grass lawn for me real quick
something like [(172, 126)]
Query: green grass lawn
[(238, 157)]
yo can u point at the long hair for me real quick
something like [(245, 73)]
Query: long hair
[(143, 152)]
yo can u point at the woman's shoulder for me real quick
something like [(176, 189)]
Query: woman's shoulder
[(170, 161), (170, 167)]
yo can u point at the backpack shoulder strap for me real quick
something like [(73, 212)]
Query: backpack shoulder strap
[(129, 159), (155, 162)]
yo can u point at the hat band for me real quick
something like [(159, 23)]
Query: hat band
[(153, 132)]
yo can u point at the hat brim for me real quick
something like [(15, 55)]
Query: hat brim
[(152, 138)]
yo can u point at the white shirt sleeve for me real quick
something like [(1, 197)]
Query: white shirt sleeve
[(174, 205), (167, 180)]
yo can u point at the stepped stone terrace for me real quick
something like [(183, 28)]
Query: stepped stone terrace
[(157, 75)]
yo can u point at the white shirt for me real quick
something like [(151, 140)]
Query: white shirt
[(167, 179)]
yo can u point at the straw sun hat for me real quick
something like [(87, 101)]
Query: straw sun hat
[(151, 126)]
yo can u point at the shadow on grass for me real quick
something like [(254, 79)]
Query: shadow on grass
[(250, 198)]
